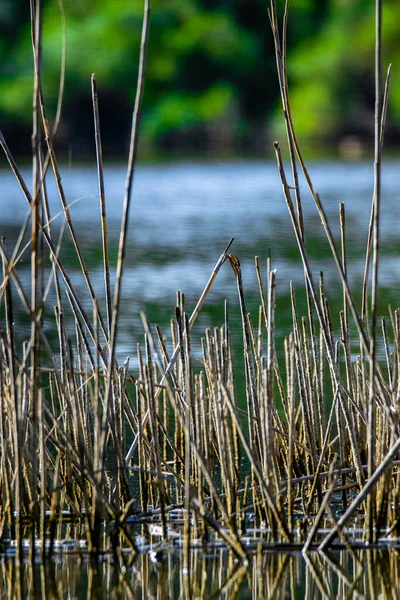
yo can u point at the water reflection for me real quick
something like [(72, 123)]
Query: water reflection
[(361, 574)]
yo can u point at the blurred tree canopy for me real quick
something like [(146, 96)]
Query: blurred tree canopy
[(211, 77), (331, 74)]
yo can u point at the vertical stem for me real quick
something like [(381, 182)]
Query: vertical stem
[(99, 157), (36, 30), (36, 25), (291, 383), (43, 471), (127, 202), (270, 376), (376, 241), (15, 419)]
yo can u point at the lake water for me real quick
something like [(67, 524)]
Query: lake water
[(184, 214)]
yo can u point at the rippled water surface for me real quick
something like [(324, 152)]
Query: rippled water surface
[(184, 214)]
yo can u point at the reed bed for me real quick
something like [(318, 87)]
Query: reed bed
[(94, 454)]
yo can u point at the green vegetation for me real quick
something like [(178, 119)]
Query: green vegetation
[(330, 75), (210, 75)]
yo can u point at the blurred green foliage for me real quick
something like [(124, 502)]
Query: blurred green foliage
[(210, 69), (331, 74)]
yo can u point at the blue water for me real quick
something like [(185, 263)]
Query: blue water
[(183, 215)]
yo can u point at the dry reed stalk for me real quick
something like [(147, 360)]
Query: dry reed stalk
[(32, 440), (102, 197), (291, 407), (364, 309), (225, 433), (154, 432), (15, 417), (316, 375), (40, 105), (263, 311), (36, 35), (125, 213), (140, 398), (345, 315), (268, 435), (308, 431), (375, 265), (188, 468), (251, 387), (267, 498)]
